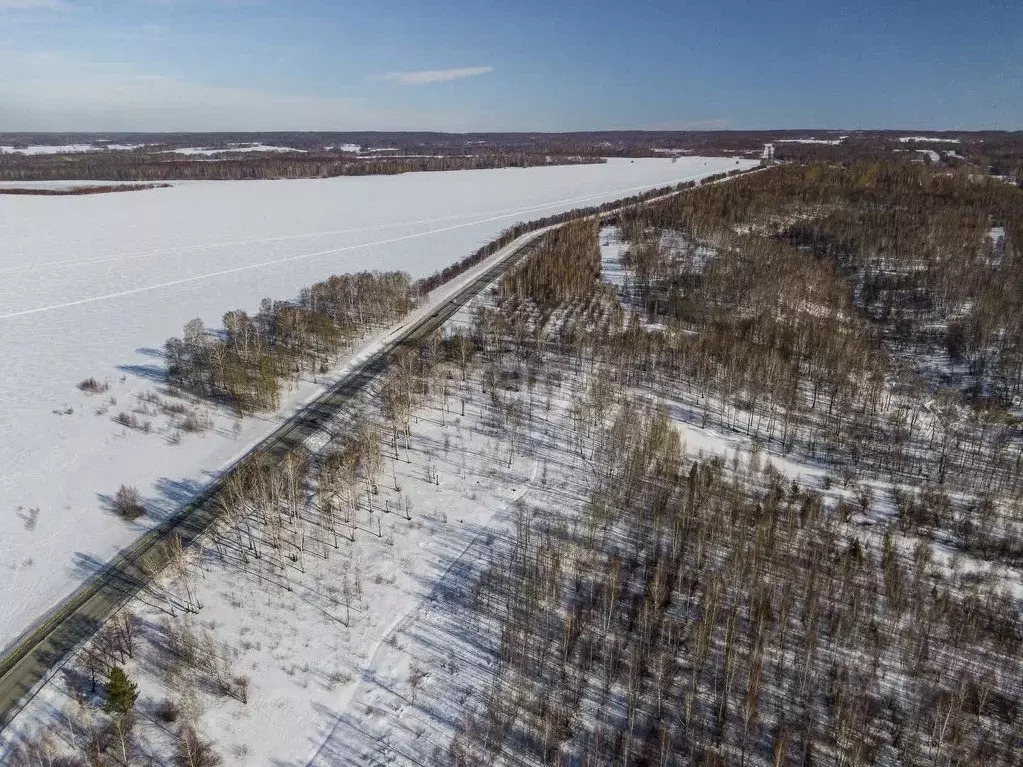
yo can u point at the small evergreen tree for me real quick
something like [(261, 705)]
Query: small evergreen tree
[(121, 692)]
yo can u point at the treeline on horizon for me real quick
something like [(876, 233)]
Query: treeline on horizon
[(144, 166), (79, 190), (635, 143), (998, 154)]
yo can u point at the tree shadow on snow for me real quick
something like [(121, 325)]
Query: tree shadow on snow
[(456, 651), (175, 493), (155, 373)]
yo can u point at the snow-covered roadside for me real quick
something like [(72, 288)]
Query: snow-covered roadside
[(313, 641), (93, 286)]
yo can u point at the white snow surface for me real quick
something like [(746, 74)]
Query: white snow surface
[(938, 139), (37, 149), (831, 141), (192, 151), (94, 285)]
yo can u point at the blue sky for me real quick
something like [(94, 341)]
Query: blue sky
[(104, 65)]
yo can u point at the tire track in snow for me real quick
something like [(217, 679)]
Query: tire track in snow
[(234, 270), (292, 237), (316, 254), (406, 619), (234, 244)]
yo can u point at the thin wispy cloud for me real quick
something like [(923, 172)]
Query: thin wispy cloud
[(57, 91), (425, 76)]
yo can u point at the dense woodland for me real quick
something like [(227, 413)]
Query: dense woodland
[(996, 153), (245, 365), (706, 613), (144, 165), (717, 612), (828, 304)]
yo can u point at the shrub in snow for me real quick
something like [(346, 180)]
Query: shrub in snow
[(92, 386), (127, 503), (168, 711), (127, 419)]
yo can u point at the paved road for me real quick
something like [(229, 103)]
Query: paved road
[(30, 658), (27, 661)]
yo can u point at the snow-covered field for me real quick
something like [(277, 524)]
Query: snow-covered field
[(192, 151), (932, 139), (93, 286), (38, 149), (831, 141)]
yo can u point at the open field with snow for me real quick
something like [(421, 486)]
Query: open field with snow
[(345, 609), (93, 286)]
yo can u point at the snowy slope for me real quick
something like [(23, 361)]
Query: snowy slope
[(931, 139), (93, 286), (205, 152)]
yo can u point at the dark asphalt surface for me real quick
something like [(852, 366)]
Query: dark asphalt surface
[(32, 656)]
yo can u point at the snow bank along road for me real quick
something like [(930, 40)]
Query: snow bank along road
[(81, 614), (130, 262)]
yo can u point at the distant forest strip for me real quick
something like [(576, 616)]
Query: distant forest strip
[(150, 166), (999, 154), (80, 190), (315, 154), (435, 280), (244, 365)]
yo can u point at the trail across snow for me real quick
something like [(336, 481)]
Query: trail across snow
[(403, 621), (94, 286), (488, 216)]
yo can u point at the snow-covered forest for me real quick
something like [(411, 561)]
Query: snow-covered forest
[(730, 479)]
